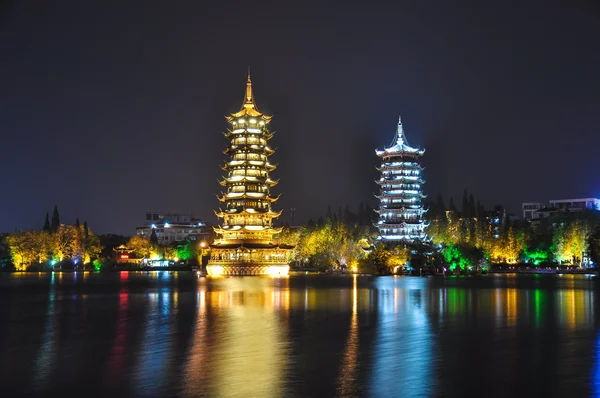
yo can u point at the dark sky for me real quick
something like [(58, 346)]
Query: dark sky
[(110, 109)]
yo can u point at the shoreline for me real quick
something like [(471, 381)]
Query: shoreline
[(200, 271)]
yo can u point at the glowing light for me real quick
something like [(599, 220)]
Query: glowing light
[(167, 225), (215, 270), (203, 244), (53, 262), (176, 259), (153, 226), (124, 255), (252, 121), (278, 270)]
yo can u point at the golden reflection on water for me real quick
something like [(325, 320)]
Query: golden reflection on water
[(251, 356), (346, 383), (575, 308), (234, 336), (196, 372), (511, 301)]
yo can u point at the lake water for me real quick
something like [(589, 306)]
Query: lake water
[(161, 334)]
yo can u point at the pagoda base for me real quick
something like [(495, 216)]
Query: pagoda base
[(246, 269)]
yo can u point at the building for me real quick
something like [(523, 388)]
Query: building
[(401, 197), (245, 243), (175, 227), (576, 204), (535, 211), (124, 255), (529, 209)]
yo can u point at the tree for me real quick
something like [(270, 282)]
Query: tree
[(465, 205), (27, 248), (141, 246), (153, 238), (64, 243), (398, 258), (91, 247), (440, 207), (377, 262), (186, 251), (46, 227), (20, 250), (472, 208), (452, 206), (168, 252), (462, 257), (594, 245), (55, 220), (330, 244)]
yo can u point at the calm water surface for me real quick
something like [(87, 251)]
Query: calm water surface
[(162, 334)]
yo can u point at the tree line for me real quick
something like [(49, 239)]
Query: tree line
[(78, 247), (54, 244), (475, 235), (465, 239)]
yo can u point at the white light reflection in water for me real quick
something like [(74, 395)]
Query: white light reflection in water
[(47, 353), (154, 360), (402, 353), (596, 369)]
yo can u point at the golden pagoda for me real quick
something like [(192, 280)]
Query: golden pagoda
[(245, 242)]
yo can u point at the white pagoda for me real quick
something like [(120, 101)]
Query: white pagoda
[(401, 197)]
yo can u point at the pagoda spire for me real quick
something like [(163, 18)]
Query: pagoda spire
[(249, 98), (400, 137)]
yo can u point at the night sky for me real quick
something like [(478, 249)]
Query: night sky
[(109, 109)]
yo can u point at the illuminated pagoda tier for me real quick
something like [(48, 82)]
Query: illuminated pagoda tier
[(401, 197), (245, 242)]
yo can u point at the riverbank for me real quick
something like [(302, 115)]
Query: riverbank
[(547, 271)]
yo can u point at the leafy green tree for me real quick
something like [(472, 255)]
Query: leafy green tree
[(186, 251)]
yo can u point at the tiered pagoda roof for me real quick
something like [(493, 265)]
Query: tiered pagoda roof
[(401, 209), (245, 243)]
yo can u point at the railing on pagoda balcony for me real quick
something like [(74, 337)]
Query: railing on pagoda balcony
[(250, 262)]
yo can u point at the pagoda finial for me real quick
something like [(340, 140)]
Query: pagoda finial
[(249, 100), (400, 138)]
